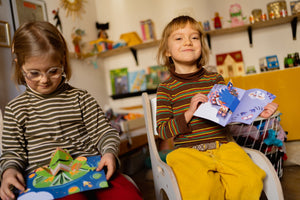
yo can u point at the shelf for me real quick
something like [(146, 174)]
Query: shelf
[(133, 94), (120, 50), (257, 25)]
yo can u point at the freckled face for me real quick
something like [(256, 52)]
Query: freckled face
[(184, 46), (46, 84)]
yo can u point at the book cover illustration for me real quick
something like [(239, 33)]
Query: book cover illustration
[(64, 176), (137, 81), (119, 81), (228, 104)]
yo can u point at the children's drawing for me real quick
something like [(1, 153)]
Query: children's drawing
[(228, 104), (64, 176)]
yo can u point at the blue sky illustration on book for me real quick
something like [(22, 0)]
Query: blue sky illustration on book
[(228, 104), (64, 176)]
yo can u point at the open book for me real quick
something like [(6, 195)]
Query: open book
[(228, 104), (64, 176)]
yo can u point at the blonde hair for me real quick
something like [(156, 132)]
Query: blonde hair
[(176, 23), (38, 39)]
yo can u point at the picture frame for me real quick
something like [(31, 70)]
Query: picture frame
[(4, 34), (28, 10)]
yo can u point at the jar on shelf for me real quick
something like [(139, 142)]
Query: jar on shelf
[(276, 7)]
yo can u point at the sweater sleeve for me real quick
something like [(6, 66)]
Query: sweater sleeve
[(167, 124), (103, 136), (14, 154)]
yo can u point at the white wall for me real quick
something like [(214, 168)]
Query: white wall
[(124, 16), (85, 75)]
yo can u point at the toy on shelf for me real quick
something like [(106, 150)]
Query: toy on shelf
[(230, 64), (277, 9), (76, 39), (236, 15), (206, 26), (295, 6), (268, 63), (217, 21), (102, 30)]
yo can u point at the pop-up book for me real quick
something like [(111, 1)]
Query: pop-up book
[(227, 104), (64, 176)]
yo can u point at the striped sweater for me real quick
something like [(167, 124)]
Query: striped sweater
[(173, 99), (35, 124)]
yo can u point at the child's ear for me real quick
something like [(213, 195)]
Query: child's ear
[(168, 54)]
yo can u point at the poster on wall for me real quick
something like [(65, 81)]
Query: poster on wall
[(28, 10)]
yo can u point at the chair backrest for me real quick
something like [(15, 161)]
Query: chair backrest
[(165, 182)]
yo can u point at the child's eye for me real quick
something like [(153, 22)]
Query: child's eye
[(34, 73), (178, 38), (53, 71), (196, 37)]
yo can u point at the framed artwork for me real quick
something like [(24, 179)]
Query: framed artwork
[(4, 34), (28, 10)]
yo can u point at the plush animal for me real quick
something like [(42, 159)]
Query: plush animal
[(272, 140)]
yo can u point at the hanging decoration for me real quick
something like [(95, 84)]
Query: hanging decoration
[(73, 8)]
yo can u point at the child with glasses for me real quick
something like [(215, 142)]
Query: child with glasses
[(50, 114), (206, 164)]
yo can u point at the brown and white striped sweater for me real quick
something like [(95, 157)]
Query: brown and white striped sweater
[(35, 125)]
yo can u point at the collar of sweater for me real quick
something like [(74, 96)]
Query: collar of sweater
[(188, 77)]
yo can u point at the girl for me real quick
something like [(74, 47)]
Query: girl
[(51, 114), (206, 164)]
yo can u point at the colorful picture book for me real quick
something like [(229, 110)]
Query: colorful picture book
[(155, 75), (119, 81), (227, 104), (137, 81), (64, 176)]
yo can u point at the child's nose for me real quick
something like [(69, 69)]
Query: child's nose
[(188, 41), (44, 78)]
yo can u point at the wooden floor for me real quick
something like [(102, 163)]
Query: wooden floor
[(290, 183)]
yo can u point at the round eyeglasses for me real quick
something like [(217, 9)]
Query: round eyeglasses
[(36, 75)]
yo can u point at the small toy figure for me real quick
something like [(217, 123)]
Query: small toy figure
[(102, 30), (206, 26), (76, 39), (236, 15), (217, 21), (57, 18)]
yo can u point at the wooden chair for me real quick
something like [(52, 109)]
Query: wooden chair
[(165, 182)]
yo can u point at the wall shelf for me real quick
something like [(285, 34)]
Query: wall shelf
[(293, 19), (132, 94), (119, 50), (257, 25)]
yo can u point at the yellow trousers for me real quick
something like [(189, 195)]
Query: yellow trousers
[(223, 173)]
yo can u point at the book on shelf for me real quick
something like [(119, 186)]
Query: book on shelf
[(155, 75), (148, 31), (137, 80), (63, 176), (119, 81), (227, 104)]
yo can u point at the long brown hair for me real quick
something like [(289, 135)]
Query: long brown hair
[(38, 39), (176, 23)]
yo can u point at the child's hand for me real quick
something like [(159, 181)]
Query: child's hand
[(269, 110), (11, 177), (198, 98), (109, 161)]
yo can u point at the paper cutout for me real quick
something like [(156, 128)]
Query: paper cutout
[(64, 176), (228, 104)]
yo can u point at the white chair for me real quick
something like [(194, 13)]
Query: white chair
[(164, 179)]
